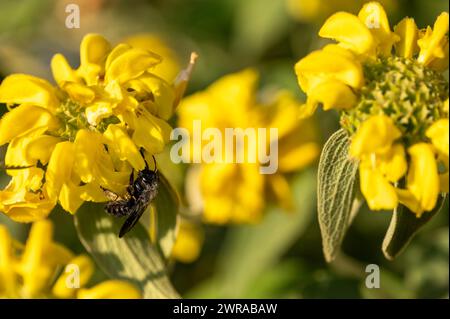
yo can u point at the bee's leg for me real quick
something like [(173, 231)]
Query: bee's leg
[(111, 195), (132, 177)]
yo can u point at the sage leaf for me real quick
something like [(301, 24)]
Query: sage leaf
[(132, 258), (165, 205), (337, 176), (404, 225)]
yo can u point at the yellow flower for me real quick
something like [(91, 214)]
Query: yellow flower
[(28, 271), (308, 11), (236, 192), (388, 88), (85, 134), (189, 242)]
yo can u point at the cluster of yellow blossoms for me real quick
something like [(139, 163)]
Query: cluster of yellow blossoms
[(86, 133), (393, 101), (43, 268), (237, 192)]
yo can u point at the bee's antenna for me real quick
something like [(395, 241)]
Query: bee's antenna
[(154, 161)]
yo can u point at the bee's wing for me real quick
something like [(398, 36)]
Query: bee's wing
[(132, 219)]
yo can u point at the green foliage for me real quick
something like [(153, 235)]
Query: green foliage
[(134, 257), (336, 192)]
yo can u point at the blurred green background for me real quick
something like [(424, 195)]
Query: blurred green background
[(282, 257)]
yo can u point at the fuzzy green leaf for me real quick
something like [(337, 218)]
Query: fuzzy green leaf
[(132, 258), (336, 192)]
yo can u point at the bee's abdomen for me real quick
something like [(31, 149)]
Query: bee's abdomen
[(118, 208)]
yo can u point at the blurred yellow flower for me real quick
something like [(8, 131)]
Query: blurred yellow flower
[(392, 98), (29, 271), (86, 133), (308, 11), (233, 192)]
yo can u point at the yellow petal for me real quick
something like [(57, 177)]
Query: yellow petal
[(59, 168), (93, 52), (375, 135), (124, 147), (333, 95), (307, 110), (79, 92), (62, 72), (375, 18), (22, 88), (321, 65), (150, 132), (40, 148), (439, 135), (408, 33), (378, 192), (350, 31), (23, 119), (111, 289), (8, 278), (423, 180), (188, 243), (170, 65), (297, 156), (160, 92), (16, 154), (393, 164), (93, 163), (33, 267), (432, 44), (62, 288), (131, 64)]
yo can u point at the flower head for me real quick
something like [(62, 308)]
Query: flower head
[(393, 101), (87, 132), (234, 191), (43, 268)]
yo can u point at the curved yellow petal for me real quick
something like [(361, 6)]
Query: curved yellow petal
[(79, 92), (93, 52), (375, 18), (438, 133), (59, 168), (432, 44), (111, 289), (40, 148), (22, 88), (378, 192), (62, 71), (333, 95), (159, 91), (423, 180), (375, 135), (84, 269), (408, 32), (150, 132), (170, 65), (393, 165), (23, 119), (130, 64), (350, 31), (124, 147), (322, 65)]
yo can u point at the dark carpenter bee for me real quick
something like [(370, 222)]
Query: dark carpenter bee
[(140, 193)]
